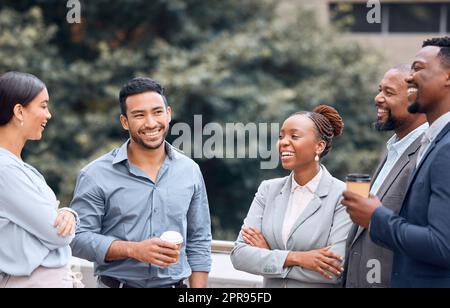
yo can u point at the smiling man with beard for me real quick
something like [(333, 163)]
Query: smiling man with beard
[(420, 235), (390, 179), (129, 197)]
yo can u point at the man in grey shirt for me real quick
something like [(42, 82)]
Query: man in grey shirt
[(127, 198)]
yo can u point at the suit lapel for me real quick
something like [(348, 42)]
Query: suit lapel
[(390, 179), (310, 209), (353, 235), (392, 176), (315, 204), (430, 149), (378, 170), (358, 234), (398, 167), (281, 204)]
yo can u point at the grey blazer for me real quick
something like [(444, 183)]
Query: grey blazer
[(323, 223), (361, 250)]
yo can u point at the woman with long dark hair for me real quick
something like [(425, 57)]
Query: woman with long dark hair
[(34, 234)]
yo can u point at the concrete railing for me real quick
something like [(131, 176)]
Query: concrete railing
[(222, 275), (222, 246)]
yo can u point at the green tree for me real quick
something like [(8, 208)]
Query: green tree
[(263, 72), (230, 61)]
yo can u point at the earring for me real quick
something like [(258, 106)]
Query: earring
[(317, 159), (21, 123)]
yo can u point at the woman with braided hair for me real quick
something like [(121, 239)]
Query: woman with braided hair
[(295, 231)]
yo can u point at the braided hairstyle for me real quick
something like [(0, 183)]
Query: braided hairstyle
[(328, 123)]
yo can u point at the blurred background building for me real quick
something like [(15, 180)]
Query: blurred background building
[(404, 23)]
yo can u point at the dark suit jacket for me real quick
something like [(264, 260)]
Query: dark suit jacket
[(361, 250), (420, 235)]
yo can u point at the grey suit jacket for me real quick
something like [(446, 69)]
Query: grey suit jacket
[(323, 223), (363, 255)]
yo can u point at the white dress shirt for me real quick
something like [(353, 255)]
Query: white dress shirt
[(431, 134), (300, 197)]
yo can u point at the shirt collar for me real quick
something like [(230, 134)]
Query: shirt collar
[(311, 185), (11, 155), (437, 127), (399, 146), (122, 152)]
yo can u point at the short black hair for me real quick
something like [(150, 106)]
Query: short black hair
[(137, 86), (444, 44), (17, 88)]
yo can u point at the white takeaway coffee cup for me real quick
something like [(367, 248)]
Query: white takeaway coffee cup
[(172, 237)]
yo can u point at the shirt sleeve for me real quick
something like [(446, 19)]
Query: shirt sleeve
[(89, 203), (198, 246), (22, 203)]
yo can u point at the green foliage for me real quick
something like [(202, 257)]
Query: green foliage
[(231, 61)]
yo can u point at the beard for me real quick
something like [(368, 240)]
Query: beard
[(415, 108), (389, 125), (154, 145)]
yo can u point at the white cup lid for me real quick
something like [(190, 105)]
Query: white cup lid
[(172, 237)]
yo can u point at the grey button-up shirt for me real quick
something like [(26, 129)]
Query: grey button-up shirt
[(116, 200)]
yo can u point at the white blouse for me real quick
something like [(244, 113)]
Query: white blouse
[(300, 197)]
